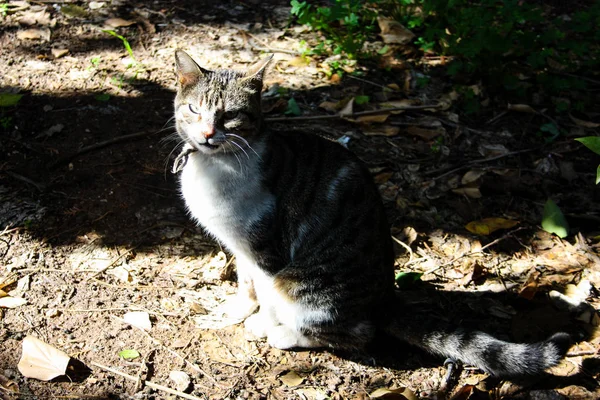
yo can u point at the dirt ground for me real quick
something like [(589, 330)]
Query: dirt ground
[(92, 226)]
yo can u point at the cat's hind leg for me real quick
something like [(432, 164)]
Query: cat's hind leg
[(283, 337)]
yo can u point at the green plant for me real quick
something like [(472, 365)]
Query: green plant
[(124, 41), (592, 143), (4, 9)]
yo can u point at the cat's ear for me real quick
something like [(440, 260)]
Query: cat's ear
[(257, 71), (188, 71)]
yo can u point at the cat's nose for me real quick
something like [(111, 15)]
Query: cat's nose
[(209, 132)]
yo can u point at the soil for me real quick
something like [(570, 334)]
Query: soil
[(90, 234)]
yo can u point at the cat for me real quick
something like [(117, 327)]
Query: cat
[(308, 230)]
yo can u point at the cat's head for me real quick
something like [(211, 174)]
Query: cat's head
[(218, 111)]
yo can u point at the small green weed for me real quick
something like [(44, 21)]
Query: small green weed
[(124, 41)]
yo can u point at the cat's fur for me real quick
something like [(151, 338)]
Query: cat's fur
[(308, 230)]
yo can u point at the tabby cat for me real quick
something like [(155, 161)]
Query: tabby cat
[(308, 229)]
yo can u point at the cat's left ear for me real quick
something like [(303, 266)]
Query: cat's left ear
[(257, 71), (188, 71)]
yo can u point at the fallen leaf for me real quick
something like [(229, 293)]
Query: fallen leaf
[(472, 176), (591, 142), (9, 99), (471, 192), (34, 34), (524, 108), (291, 379), (399, 104), (118, 22), (487, 226), (12, 302), (530, 287), (42, 361), (129, 354), (393, 394), (72, 10), (293, 108), (393, 32), (348, 108), (382, 131), (139, 319), (427, 134), (378, 118), (553, 220), (405, 280), (180, 379), (332, 106), (58, 53), (582, 123)]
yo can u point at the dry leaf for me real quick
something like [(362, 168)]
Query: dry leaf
[(383, 177), (393, 394), (427, 134), (3, 293), (139, 319), (42, 361), (393, 32), (524, 108), (291, 379), (471, 176), (487, 226), (118, 22), (332, 106), (585, 124), (298, 62), (471, 192), (382, 131), (348, 108), (180, 379), (58, 53), (12, 302), (34, 34), (378, 118), (399, 103)]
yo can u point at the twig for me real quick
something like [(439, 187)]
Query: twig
[(358, 114), (100, 145), (372, 83), (407, 247), (146, 383), (272, 50), (39, 186)]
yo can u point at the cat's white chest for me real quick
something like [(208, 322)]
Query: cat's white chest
[(225, 199)]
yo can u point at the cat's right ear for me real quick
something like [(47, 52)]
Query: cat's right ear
[(188, 72)]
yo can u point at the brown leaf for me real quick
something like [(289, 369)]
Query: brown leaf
[(58, 53), (471, 192), (427, 134), (383, 177), (332, 106), (11, 302), (42, 361), (118, 22), (393, 394), (582, 123), (34, 34), (382, 131), (524, 108), (471, 176), (487, 226), (291, 379), (400, 103), (348, 108), (393, 32), (378, 118)]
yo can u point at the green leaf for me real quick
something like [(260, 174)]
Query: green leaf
[(361, 100), (407, 279), (129, 354), (591, 142), (9, 99), (598, 175), (553, 220), (293, 107), (383, 50), (104, 97)]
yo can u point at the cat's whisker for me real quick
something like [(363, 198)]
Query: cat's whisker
[(236, 157), (239, 147), (245, 142)]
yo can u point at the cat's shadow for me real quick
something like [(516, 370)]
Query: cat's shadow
[(503, 315)]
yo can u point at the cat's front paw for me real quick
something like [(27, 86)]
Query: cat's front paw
[(259, 324), (284, 338), (237, 307)]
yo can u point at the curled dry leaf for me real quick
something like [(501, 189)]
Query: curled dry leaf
[(582, 123), (118, 22), (393, 32), (471, 192), (12, 302), (471, 176), (524, 108), (139, 319), (180, 379), (393, 394), (291, 379), (487, 226), (348, 108), (42, 361)]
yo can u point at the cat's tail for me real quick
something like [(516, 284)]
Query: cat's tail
[(479, 349)]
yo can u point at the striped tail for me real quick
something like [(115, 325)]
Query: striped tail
[(496, 357)]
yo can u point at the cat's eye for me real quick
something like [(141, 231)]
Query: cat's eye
[(230, 115), (194, 109)]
